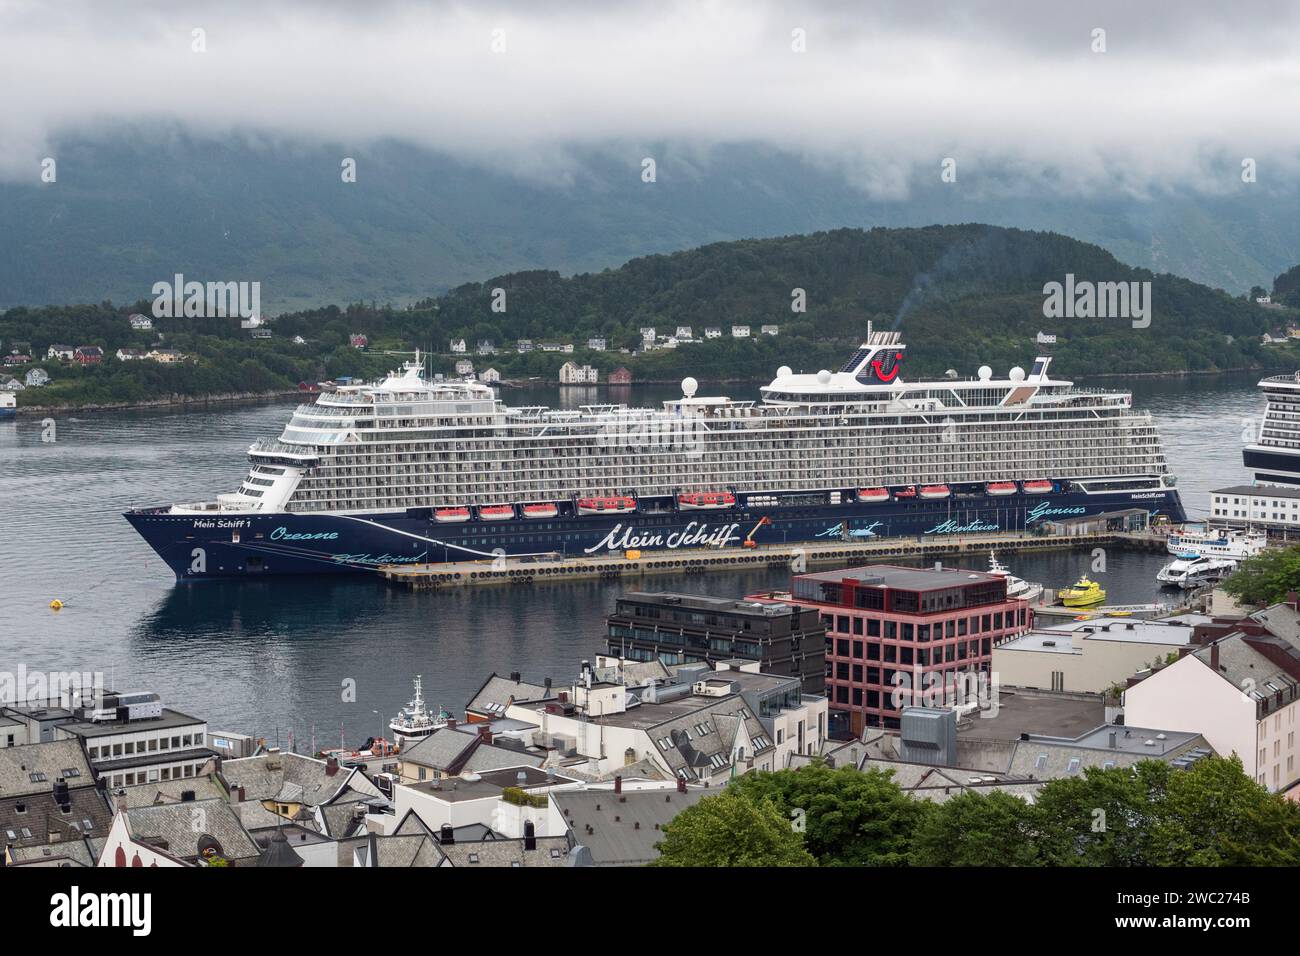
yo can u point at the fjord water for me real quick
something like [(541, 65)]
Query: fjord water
[(276, 656)]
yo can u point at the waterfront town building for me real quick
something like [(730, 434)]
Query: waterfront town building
[(896, 636), (1240, 690), (673, 628)]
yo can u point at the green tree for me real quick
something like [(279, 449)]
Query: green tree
[(1267, 577), (978, 829), (1103, 818), (1214, 815), (850, 818), (731, 829)]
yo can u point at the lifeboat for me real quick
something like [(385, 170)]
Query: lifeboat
[(935, 491), (872, 495), (496, 512), (999, 488), (602, 506), (908, 492), (1037, 487), (547, 510), (706, 499), (451, 515)]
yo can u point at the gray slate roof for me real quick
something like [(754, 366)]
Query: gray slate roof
[(289, 777), (551, 851), (493, 696), (177, 824), (18, 764), (630, 840)]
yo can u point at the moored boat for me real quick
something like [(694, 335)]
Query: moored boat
[(1221, 543), (1016, 587), (414, 721), (1084, 593), (1192, 570)]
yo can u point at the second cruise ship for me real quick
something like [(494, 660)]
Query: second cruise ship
[(407, 471)]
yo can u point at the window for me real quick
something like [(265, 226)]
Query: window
[(1073, 765), (1041, 762), (37, 777)]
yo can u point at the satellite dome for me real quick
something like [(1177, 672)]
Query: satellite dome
[(689, 385), (1017, 374), (824, 377), (985, 373), (784, 371)]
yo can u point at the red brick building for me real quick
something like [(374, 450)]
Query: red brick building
[(890, 629)]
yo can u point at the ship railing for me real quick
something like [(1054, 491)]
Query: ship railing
[(269, 446)]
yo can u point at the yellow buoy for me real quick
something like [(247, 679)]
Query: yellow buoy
[(56, 604)]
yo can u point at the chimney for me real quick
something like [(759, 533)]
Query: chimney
[(618, 784), (241, 795), (1214, 657), (331, 766), (1293, 600), (187, 796), (485, 733), (681, 785), (515, 676), (530, 835), (451, 723), (1112, 740), (447, 836)]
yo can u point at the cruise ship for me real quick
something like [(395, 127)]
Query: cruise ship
[(407, 471), (1274, 454)]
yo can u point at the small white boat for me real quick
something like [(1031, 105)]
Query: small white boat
[(1016, 587), (1221, 543), (414, 722), (1192, 570)]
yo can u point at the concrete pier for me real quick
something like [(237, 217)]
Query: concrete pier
[(519, 571)]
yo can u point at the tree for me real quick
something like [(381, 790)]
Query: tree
[(731, 829), (1267, 577), (1103, 818), (1214, 815), (851, 818), (977, 829)]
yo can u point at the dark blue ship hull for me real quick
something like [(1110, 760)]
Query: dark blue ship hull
[(200, 546)]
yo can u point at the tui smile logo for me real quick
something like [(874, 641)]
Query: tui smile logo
[(886, 369)]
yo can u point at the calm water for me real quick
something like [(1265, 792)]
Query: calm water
[(269, 657)]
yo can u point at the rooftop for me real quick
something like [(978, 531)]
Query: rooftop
[(1028, 712), (626, 827), (904, 579), (1258, 491), (1065, 638), (170, 719), (704, 603)]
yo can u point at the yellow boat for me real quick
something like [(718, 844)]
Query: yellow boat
[(1085, 593)]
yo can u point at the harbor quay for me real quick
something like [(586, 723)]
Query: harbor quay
[(632, 565)]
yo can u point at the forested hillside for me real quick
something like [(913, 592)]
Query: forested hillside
[(962, 295)]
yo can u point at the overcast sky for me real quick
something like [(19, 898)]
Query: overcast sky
[(884, 91)]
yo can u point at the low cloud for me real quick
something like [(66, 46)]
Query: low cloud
[(884, 92)]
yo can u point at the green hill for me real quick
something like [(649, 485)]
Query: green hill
[(962, 295)]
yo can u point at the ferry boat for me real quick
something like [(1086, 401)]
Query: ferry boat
[(1193, 570), (1016, 587), (357, 478), (414, 722), (8, 405), (1218, 543), (1084, 593)]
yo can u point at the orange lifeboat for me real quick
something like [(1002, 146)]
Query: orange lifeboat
[(600, 506), (547, 510), (1039, 487), (999, 488), (496, 512), (698, 500), (451, 515), (935, 491), (873, 495)]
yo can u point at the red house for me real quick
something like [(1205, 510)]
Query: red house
[(620, 376), (900, 636), (358, 341), (89, 354)]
